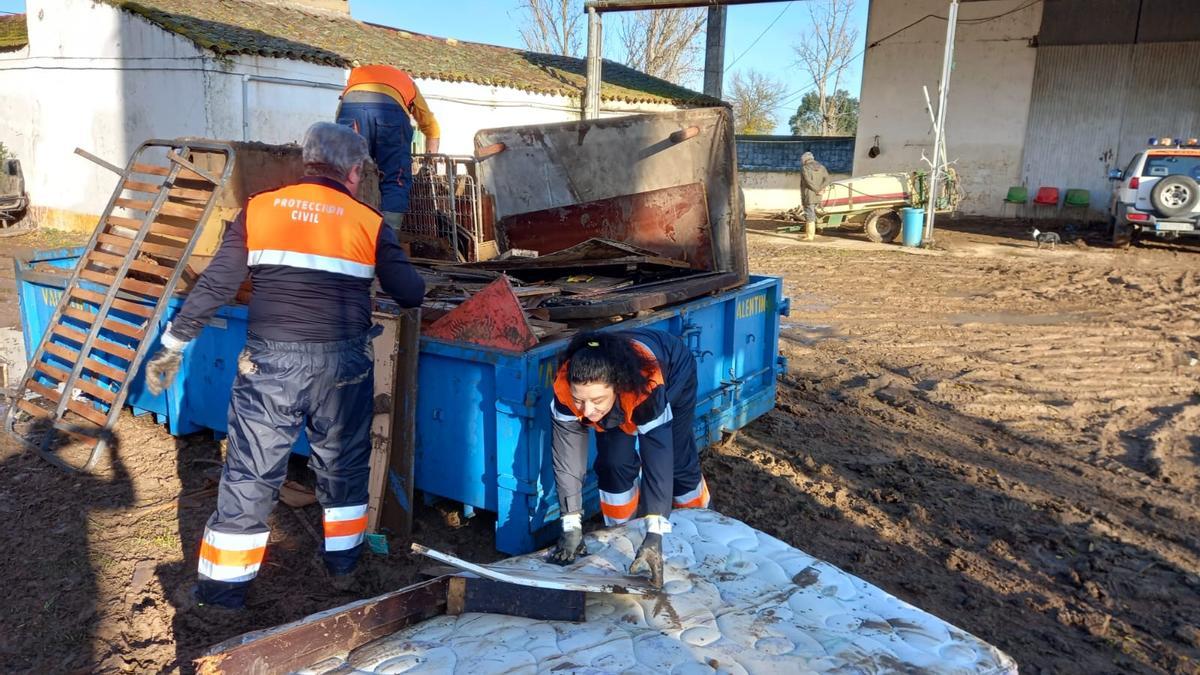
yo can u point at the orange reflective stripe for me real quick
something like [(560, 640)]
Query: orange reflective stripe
[(620, 511), (389, 76), (216, 556), (700, 501), (345, 528), (315, 220)]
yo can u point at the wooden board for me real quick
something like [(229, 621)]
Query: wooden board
[(296, 645), (468, 594), (550, 577), (393, 436)]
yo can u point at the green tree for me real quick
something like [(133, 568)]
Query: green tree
[(842, 118)]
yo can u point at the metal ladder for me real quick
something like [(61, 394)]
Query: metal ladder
[(78, 379)]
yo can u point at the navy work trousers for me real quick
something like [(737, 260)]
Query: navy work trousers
[(323, 388), (389, 135)]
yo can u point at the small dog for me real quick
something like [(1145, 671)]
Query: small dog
[(1050, 239)]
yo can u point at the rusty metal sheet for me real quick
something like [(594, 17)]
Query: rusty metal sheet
[(549, 166), (493, 317), (550, 577), (591, 253), (671, 222)]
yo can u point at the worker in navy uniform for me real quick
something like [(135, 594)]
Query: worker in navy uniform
[(312, 252), (636, 390)]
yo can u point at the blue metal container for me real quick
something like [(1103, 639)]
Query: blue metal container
[(913, 226), (483, 415)]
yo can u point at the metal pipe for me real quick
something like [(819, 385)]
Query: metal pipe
[(939, 129), (591, 107), (633, 5), (247, 79)]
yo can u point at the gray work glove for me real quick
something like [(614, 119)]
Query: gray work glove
[(570, 543), (162, 367), (649, 559)]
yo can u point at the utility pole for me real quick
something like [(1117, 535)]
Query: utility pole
[(714, 52), (595, 8), (939, 128)]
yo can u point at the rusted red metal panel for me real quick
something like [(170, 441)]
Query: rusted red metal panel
[(672, 222), (493, 317)]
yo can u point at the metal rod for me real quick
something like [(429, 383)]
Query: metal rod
[(939, 129), (89, 156), (591, 106), (192, 167)]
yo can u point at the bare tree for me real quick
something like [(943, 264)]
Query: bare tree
[(552, 26), (825, 54), (663, 42), (755, 98)]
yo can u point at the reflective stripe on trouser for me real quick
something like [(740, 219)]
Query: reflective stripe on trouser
[(322, 388), (694, 499), (345, 527), (619, 507), (231, 557)]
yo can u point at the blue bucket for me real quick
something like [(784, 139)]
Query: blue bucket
[(914, 226)]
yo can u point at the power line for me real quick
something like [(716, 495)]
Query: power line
[(760, 35)]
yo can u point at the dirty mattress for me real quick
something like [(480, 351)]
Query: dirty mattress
[(735, 601)]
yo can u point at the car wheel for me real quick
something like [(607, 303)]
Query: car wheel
[(1121, 233), (1175, 196), (882, 226)]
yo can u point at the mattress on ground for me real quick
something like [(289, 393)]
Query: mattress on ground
[(735, 601)]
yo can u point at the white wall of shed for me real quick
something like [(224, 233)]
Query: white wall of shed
[(989, 93)]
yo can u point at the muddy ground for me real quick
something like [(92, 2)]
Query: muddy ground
[(1006, 437)]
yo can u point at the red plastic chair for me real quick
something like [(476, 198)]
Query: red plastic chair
[(1046, 197)]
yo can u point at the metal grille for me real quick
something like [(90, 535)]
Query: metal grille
[(445, 204)]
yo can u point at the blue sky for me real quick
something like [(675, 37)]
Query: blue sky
[(496, 21)]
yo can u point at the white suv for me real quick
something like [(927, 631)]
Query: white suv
[(1158, 193)]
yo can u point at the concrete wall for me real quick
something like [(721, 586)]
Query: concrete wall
[(990, 92), (769, 192), (105, 80)]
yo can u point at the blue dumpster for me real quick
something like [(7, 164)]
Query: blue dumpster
[(483, 415)]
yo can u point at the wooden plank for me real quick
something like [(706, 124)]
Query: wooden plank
[(109, 324), (156, 170), (155, 246), (131, 285), (176, 192), (42, 390), (158, 227), (105, 395), (63, 330), (551, 576), (302, 643), (109, 347), (90, 363), (144, 266), (390, 486), (485, 596), (167, 208), (87, 412), (34, 409), (134, 308), (53, 371)]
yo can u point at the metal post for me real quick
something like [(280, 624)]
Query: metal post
[(714, 52), (939, 129), (591, 108)]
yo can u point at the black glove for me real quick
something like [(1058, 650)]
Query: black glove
[(161, 369), (570, 546), (649, 559)]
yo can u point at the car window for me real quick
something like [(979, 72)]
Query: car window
[(1132, 163), (1172, 165)]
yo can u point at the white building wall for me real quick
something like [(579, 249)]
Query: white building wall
[(989, 92), (105, 80)]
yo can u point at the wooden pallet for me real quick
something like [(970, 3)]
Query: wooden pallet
[(77, 380)]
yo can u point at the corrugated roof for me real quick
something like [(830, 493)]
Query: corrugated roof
[(13, 34), (231, 27)]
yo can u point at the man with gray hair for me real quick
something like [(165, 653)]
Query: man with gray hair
[(813, 178), (312, 251)]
